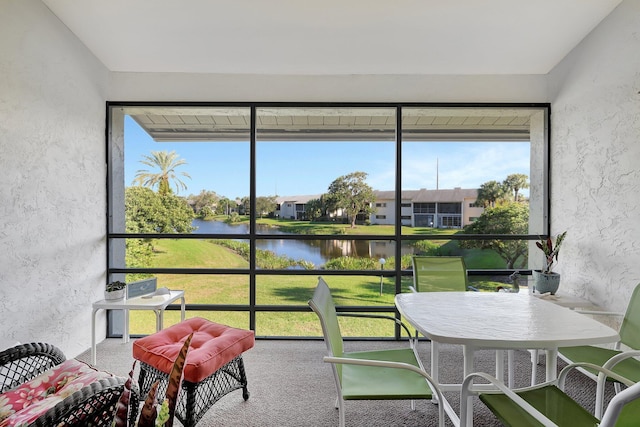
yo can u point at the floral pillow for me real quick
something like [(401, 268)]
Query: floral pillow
[(28, 401)]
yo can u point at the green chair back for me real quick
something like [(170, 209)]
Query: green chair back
[(629, 336), (439, 274), (322, 304), (630, 327)]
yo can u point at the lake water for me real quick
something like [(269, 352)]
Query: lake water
[(316, 251)]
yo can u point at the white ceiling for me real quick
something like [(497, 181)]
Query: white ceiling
[(320, 37)]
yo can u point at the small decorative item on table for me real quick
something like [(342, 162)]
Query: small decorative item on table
[(115, 291), (515, 281)]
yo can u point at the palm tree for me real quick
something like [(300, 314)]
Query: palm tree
[(516, 182), (167, 163), (489, 193)]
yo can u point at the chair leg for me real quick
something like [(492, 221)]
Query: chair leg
[(340, 406)]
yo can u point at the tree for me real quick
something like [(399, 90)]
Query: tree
[(225, 206), (489, 193), (352, 194), (314, 209), (244, 206), (265, 205), (167, 163), (149, 212), (516, 182), (508, 218), (206, 199), (178, 215)]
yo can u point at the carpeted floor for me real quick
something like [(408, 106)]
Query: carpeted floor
[(291, 386)]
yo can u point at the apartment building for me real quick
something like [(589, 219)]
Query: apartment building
[(447, 208)]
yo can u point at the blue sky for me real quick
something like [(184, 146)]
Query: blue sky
[(292, 168)]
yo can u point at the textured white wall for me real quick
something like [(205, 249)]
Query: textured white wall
[(52, 191), (595, 160)]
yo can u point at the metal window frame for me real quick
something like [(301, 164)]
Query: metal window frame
[(252, 308)]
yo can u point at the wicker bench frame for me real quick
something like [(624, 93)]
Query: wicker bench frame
[(196, 399), (92, 405)]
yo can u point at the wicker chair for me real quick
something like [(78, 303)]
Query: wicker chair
[(91, 405)]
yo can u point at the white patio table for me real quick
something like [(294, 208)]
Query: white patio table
[(500, 321), (157, 303)]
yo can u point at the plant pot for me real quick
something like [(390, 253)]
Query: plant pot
[(114, 295), (546, 282)]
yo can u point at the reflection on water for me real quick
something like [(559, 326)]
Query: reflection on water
[(316, 251)]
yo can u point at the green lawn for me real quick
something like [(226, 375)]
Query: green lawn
[(272, 289)]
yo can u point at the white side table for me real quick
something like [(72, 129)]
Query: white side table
[(157, 303)]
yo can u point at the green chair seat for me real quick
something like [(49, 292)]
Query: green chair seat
[(628, 368), (375, 383), (549, 400), (630, 415)]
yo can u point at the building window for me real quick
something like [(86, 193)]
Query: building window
[(450, 221), (263, 226), (449, 208), (419, 208)]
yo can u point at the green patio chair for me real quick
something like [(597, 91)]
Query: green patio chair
[(546, 404), (394, 374), (622, 358), (439, 274)]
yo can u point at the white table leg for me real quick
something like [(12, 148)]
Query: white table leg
[(552, 364), (182, 309), (159, 320), (435, 358), (534, 366), (93, 336), (500, 365), (511, 368), (435, 365), (468, 352), (125, 332)]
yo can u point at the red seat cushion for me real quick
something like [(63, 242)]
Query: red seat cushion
[(213, 345)]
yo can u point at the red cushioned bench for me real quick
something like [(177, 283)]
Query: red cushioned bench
[(213, 367)]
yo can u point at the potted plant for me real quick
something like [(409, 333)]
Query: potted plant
[(546, 280), (115, 291)]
